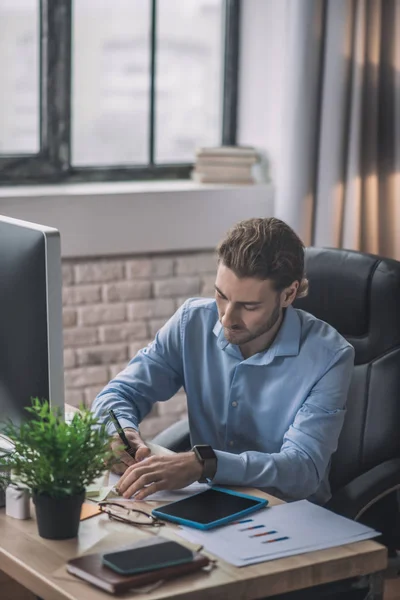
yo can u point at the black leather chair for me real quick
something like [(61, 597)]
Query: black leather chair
[(359, 295)]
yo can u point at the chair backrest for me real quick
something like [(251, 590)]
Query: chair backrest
[(359, 295)]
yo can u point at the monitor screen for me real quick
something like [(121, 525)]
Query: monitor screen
[(31, 342)]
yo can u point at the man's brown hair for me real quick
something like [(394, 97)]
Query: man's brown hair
[(266, 249)]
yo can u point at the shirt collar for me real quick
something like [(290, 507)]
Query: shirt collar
[(286, 343)]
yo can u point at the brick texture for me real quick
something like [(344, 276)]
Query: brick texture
[(80, 336), (196, 263), (207, 286), (127, 290), (113, 307), (99, 271), (84, 377), (148, 268), (177, 286), (69, 358), (69, 317), (123, 332), (101, 313), (150, 309), (102, 355), (81, 294)]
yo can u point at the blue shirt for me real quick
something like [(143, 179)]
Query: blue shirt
[(273, 419)]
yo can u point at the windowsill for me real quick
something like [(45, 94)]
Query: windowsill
[(111, 187), (101, 219)]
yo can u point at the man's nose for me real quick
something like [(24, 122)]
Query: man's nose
[(228, 318)]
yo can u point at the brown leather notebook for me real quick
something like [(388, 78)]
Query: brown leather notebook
[(90, 568)]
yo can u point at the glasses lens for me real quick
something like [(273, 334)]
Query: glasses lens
[(127, 514), (138, 517)]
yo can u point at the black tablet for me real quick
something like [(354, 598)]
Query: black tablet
[(212, 508)]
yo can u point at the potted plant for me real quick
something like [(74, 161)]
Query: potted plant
[(57, 461)]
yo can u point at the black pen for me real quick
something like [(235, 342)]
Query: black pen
[(128, 448)]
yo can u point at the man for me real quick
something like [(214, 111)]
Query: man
[(266, 384)]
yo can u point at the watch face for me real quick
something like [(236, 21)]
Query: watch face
[(206, 452)]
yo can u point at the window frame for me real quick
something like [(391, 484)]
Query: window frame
[(53, 162)]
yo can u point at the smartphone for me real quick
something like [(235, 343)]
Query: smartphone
[(147, 558)]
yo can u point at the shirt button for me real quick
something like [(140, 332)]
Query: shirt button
[(234, 403), (231, 443)]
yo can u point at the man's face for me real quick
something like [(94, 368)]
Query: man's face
[(248, 307)]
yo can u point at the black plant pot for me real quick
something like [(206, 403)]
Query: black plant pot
[(58, 518)]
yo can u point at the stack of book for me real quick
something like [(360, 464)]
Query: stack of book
[(226, 164)]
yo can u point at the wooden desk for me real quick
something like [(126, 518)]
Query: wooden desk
[(38, 564)]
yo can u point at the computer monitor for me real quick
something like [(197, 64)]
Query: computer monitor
[(31, 334)]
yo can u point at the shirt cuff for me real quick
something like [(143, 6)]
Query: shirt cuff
[(230, 468), (110, 427)]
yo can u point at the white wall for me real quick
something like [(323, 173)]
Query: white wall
[(263, 42), (137, 217)]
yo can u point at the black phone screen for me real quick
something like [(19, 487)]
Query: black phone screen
[(147, 558)]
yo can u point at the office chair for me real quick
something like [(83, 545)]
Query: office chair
[(359, 295)]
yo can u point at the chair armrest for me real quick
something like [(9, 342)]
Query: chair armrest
[(356, 497), (176, 437)]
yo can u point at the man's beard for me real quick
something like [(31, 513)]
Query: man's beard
[(244, 336)]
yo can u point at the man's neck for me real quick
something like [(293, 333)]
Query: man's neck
[(263, 342)]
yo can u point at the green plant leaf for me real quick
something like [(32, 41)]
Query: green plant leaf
[(53, 457)]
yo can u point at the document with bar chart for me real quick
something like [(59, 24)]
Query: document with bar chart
[(278, 531)]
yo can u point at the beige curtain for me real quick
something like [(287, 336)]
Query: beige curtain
[(348, 192)]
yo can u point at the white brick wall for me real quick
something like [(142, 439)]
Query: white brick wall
[(114, 307)]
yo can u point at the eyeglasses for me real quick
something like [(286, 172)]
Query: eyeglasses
[(131, 516)]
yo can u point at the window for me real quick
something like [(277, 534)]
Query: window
[(100, 90)]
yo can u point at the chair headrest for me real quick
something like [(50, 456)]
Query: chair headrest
[(358, 294)]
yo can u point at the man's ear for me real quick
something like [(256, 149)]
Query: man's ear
[(289, 294)]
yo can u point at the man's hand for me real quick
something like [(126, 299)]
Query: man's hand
[(160, 473), (142, 451)]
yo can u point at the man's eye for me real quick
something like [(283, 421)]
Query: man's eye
[(250, 308)]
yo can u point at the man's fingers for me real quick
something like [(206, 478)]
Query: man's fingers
[(151, 489), (149, 465), (126, 478), (142, 452), (119, 468), (133, 473), (147, 479), (127, 459), (116, 446)]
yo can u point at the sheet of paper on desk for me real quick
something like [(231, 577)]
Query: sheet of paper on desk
[(279, 531), (167, 495)]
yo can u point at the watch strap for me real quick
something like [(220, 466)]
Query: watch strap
[(209, 464)]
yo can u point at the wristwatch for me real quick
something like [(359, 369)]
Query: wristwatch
[(207, 457)]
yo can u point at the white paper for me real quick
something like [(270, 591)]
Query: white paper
[(174, 495), (165, 495), (307, 526)]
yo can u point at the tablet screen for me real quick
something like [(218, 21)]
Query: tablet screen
[(209, 506)]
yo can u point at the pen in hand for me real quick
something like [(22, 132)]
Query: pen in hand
[(128, 448)]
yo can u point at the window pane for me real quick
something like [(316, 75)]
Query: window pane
[(110, 82), (19, 68), (189, 77)]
